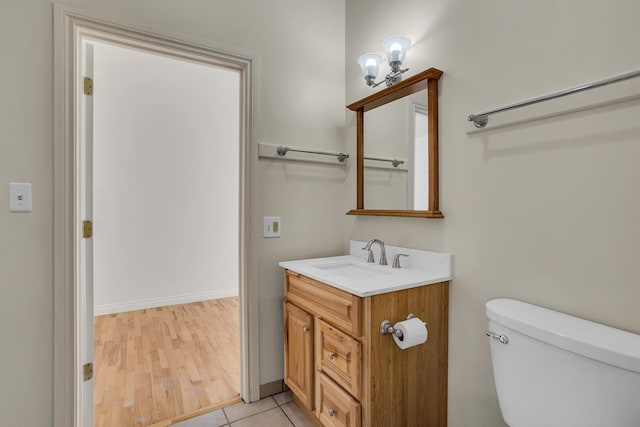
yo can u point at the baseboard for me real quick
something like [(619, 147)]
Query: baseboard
[(274, 387), (161, 302)]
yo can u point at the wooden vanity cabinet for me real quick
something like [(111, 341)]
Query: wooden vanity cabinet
[(346, 374)]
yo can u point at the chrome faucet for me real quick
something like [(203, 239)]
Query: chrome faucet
[(383, 253)]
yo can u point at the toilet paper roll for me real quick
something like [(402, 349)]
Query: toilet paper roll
[(414, 332)]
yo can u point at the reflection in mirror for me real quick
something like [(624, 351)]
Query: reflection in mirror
[(397, 131)]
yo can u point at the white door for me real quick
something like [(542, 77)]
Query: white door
[(85, 205)]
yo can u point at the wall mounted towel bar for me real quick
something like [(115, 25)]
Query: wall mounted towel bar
[(394, 162), (480, 120), (283, 150)]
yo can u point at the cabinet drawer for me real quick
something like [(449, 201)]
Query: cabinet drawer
[(340, 358), (337, 408), (334, 305)]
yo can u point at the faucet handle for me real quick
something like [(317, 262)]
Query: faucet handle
[(396, 260), (370, 257)]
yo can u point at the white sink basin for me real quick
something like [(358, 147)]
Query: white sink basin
[(352, 271)]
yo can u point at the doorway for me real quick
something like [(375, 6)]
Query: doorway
[(165, 180), (74, 314), (165, 194)]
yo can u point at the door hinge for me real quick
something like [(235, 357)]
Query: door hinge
[(88, 86), (87, 229), (87, 371)]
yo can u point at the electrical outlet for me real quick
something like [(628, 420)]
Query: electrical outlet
[(271, 226)]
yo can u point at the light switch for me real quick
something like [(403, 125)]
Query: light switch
[(271, 226), (19, 197)]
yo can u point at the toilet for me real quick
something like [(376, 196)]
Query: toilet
[(555, 370)]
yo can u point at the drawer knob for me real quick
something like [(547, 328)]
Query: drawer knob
[(332, 412), (332, 355), (305, 329)]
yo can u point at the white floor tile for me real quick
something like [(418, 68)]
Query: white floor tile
[(283, 398), (271, 418), (243, 410), (297, 415), (210, 419)]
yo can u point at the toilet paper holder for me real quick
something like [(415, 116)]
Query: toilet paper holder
[(387, 328)]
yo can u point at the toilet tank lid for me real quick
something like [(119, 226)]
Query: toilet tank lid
[(593, 340)]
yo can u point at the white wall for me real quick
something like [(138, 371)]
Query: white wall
[(545, 211), (293, 106), (166, 181)]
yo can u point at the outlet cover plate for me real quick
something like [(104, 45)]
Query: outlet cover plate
[(20, 197), (271, 226)]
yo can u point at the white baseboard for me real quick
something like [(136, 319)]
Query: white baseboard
[(161, 302)]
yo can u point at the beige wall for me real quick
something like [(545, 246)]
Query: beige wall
[(545, 211), (26, 263), (299, 48)]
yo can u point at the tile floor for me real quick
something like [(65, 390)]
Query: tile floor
[(274, 411)]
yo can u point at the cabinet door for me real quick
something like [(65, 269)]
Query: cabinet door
[(298, 353)]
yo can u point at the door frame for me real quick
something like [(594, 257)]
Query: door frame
[(70, 27)]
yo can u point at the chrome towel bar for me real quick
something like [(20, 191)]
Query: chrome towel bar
[(282, 151), (480, 120), (394, 162)]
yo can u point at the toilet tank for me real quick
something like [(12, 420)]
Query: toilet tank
[(558, 370)]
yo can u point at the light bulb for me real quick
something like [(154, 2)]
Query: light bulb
[(369, 63), (396, 48), (395, 51)]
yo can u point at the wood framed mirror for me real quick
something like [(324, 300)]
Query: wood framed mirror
[(420, 164)]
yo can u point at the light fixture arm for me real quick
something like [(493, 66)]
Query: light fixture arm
[(390, 79)]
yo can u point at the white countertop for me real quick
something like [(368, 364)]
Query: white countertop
[(422, 268)]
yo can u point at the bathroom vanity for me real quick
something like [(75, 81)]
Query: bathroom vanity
[(339, 365)]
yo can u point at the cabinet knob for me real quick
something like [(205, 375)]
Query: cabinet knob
[(332, 412), (332, 355), (305, 329)]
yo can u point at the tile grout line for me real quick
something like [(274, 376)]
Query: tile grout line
[(283, 411), (260, 412), (287, 416), (226, 418)]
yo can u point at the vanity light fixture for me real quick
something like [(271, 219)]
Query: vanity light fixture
[(396, 49)]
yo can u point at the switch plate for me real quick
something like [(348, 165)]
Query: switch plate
[(19, 197), (271, 226)]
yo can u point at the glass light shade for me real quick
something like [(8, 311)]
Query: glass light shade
[(370, 62), (396, 48)]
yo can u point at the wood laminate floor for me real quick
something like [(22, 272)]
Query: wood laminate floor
[(161, 363)]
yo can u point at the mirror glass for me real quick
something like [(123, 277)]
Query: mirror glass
[(397, 170), (396, 155)]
